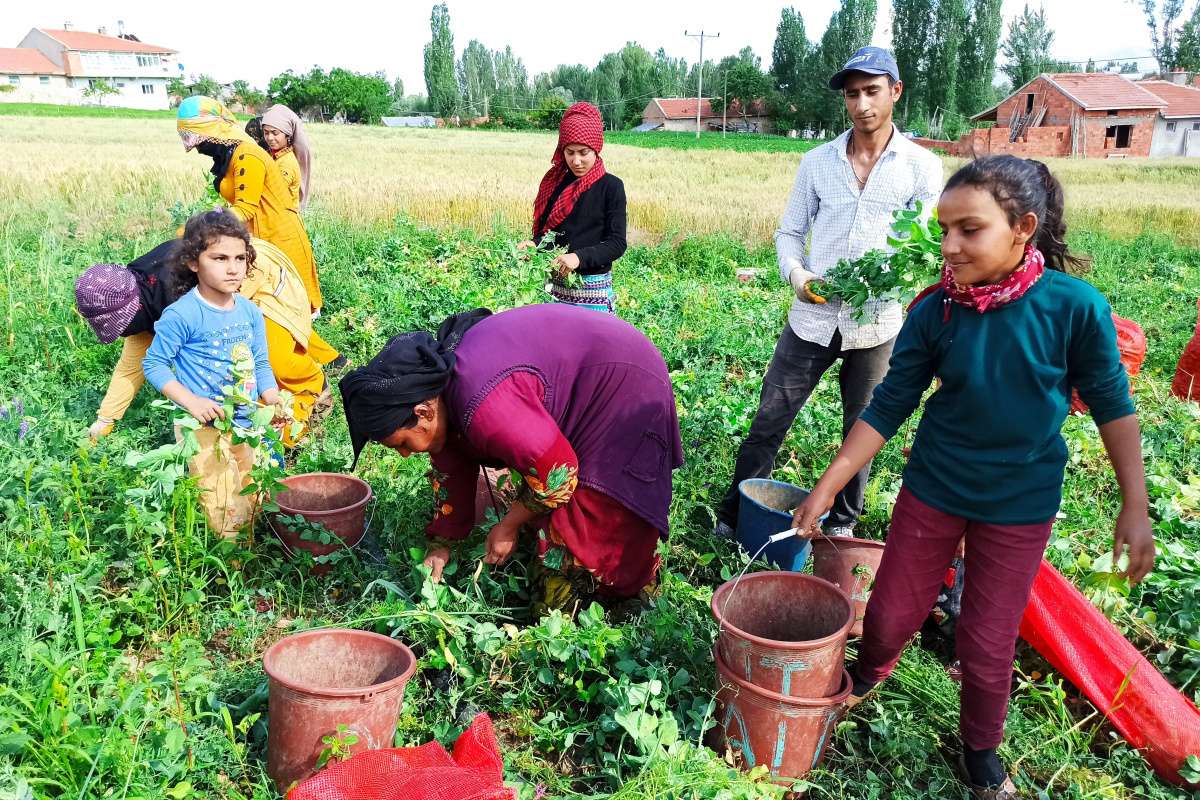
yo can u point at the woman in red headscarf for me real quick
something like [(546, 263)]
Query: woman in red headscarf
[(583, 206)]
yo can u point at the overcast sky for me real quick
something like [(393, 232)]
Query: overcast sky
[(255, 40)]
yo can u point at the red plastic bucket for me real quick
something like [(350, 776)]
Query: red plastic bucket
[(850, 564), (337, 501), (321, 679), (786, 734), (784, 632)]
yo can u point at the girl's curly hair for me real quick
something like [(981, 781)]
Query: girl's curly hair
[(200, 232)]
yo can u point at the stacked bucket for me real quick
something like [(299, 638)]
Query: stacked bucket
[(780, 659), (781, 649)]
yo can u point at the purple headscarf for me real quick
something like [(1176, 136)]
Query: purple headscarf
[(107, 297)]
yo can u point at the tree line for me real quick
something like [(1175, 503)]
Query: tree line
[(947, 52)]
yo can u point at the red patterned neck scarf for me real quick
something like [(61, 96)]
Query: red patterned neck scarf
[(581, 124), (993, 295)]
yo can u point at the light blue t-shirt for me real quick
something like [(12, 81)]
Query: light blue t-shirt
[(202, 343)]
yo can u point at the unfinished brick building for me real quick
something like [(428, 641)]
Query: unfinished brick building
[(1089, 114)]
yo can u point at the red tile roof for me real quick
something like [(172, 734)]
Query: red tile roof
[(1102, 91), (26, 61), (1182, 101), (82, 40), (685, 108)]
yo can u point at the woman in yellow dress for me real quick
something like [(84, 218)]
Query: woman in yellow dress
[(284, 134), (248, 179)]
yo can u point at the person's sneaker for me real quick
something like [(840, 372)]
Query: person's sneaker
[(839, 530), (338, 365), (723, 531)]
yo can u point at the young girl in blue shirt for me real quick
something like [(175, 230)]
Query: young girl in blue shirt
[(209, 339)]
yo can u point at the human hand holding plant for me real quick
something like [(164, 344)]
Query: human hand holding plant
[(565, 264), (914, 262), (1133, 531), (100, 428), (501, 541), (1122, 439), (204, 409), (436, 558)]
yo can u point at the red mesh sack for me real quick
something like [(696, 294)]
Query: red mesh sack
[(1131, 343), (428, 772), (1091, 653), (1186, 385)]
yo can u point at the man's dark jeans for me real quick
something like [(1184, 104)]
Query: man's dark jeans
[(794, 371)]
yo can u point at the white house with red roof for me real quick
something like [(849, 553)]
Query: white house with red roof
[(57, 65), (1177, 129)]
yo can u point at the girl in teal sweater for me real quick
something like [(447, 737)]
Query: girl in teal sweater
[(1009, 333)]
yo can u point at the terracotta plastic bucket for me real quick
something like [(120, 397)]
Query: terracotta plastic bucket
[(787, 734), (784, 632), (321, 679), (337, 501), (850, 564)]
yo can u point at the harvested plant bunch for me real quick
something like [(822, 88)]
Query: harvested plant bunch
[(914, 263)]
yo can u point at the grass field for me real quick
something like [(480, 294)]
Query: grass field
[(130, 668), (736, 142)]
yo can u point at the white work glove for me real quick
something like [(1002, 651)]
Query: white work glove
[(100, 428), (798, 278)]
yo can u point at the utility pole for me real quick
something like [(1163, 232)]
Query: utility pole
[(725, 105), (700, 72)]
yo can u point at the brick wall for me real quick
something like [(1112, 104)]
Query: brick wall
[(1036, 143), (1059, 107), (1053, 137), (1095, 142)]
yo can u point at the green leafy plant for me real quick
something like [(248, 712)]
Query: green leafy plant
[(338, 745), (914, 262)]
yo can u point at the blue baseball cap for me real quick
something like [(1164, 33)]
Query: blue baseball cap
[(872, 61)]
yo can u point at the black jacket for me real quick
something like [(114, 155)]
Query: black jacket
[(154, 291), (595, 228)]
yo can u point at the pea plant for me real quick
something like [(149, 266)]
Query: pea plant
[(913, 262)]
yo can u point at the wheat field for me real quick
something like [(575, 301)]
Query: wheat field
[(77, 171)]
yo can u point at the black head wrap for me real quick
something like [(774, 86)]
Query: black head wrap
[(221, 154), (379, 398), (254, 130)]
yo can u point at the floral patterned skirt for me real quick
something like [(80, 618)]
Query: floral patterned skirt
[(596, 535)]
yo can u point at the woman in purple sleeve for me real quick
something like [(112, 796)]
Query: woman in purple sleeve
[(578, 405)]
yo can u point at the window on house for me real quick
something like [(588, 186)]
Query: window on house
[(15, 80), (1112, 113), (44, 80), (1120, 134), (1028, 102), (1196, 126), (147, 88), (120, 84), (1170, 127)]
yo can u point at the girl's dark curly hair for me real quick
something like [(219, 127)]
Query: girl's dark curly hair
[(200, 232)]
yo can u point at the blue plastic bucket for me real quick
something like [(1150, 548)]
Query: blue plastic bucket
[(765, 509)]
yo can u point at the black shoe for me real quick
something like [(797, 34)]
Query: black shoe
[(338, 365)]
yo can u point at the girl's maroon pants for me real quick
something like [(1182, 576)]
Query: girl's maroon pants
[(1002, 561)]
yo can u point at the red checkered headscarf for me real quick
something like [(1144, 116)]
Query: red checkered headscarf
[(581, 124)]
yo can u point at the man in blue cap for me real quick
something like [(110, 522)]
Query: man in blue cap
[(843, 199)]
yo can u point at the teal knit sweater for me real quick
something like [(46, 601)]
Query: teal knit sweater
[(989, 446)]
